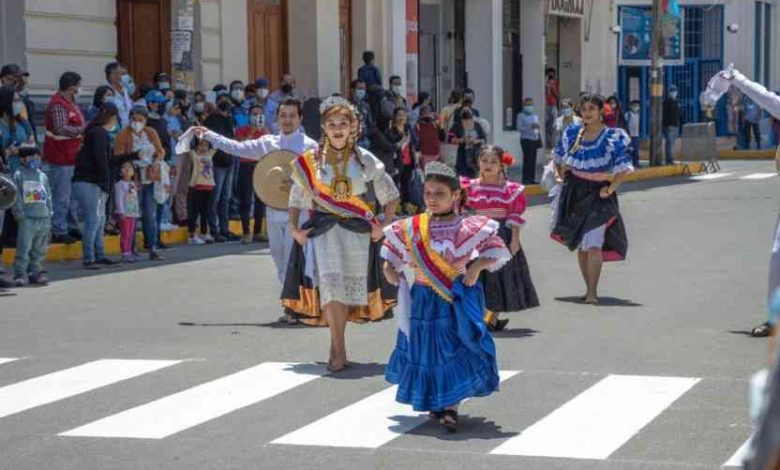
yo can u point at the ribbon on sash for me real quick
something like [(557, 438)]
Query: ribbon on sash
[(304, 174), (436, 271)]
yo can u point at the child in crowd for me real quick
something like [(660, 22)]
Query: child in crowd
[(633, 118), (32, 210), (127, 209), (201, 192), (509, 289), (429, 136), (444, 352)]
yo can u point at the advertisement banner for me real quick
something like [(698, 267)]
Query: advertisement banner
[(636, 35)]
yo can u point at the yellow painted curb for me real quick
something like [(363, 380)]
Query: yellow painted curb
[(62, 252), (639, 175), (746, 154)]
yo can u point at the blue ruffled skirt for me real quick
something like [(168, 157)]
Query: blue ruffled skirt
[(449, 355)]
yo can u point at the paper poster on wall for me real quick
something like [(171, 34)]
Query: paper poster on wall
[(636, 34), (181, 49)]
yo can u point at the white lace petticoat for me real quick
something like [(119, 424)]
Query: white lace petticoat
[(341, 258)]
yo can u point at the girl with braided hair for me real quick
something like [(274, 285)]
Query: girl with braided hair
[(334, 274), (591, 161)]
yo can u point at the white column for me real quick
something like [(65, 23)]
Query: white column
[(235, 41), (484, 61), (532, 41), (394, 60), (313, 46)]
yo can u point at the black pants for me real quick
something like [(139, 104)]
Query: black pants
[(246, 195), (747, 127), (405, 183), (199, 204), (529, 159)]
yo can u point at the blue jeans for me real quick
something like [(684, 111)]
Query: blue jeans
[(220, 205), (670, 136), (149, 211), (92, 203), (635, 151), (65, 208), (32, 241)]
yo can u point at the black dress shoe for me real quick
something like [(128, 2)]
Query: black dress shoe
[(231, 237), (91, 265), (106, 262), (163, 246), (75, 234), (63, 238)]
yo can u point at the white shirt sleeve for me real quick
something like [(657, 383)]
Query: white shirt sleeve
[(249, 149), (769, 101)]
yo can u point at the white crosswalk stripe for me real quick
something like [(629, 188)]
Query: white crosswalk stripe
[(600, 420), (369, 423), (710, 176), (739, 455), (66, 383), (758, 176), (593, 424), (188, 408)]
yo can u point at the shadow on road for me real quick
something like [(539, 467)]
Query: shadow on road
[(273, 324), (469, 428), (516, 333), (603, 302)]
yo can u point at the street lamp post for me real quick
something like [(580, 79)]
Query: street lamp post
[(656, 86)]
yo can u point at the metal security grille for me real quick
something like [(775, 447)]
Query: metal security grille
[(703, 58)]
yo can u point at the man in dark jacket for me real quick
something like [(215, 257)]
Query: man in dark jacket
[(671, 123), (221, 122)]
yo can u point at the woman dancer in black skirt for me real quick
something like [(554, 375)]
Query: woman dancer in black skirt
[(509, 289)]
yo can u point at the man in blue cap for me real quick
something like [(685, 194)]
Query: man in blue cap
[(155, 102)]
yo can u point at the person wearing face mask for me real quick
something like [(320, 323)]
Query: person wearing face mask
[(142, 141), (13, 75), (286, 90), (238, 111), (123, 86), (32, 210), (263, 91), (250, 96), (162, 82), (103, 94), (92, 181), (65, 126), (156, 103), (672, 119), (221, 122), (358, 100), (530, 139), (566, 119), (394, 98), (199, 111), (633, 120), (246, 193)]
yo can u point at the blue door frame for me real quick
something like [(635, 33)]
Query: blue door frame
[(691, 78)]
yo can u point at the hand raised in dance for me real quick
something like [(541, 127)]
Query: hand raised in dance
[(199, 131)]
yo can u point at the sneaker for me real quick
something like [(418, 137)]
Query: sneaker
[(91, 265), (20, 282), (220, 238), (155, 256), (75, 234), (137, 256), (111, 230), (260, 238), (167, 227), (246, 239), (163, 246), (232, 237), (106, 262), (38, 279), (195, 241), (128, 258), (208, 239), (62, 238)]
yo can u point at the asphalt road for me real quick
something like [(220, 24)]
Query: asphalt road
[(656, 378)]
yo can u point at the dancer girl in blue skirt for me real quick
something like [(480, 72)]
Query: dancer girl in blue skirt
[(444, 352)]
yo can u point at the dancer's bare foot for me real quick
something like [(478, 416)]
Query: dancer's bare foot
[(591, 299)]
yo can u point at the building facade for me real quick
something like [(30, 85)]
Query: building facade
[(499, 48)]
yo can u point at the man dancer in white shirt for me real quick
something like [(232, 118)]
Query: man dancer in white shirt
[(289, 116)]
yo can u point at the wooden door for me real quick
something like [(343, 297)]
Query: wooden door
[(267, 40), (345, 44), (144, 28)]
